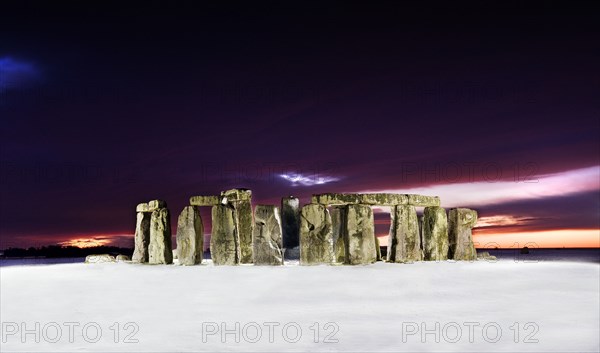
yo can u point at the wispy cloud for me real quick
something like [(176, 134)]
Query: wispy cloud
[(486, 193), (303, 180)]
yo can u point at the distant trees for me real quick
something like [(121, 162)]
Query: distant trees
[(54, 251)]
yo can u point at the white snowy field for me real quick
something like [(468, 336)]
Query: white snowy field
[(502, 306)]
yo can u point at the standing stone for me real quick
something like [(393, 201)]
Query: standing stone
[(290, 221), (160, 250), (460, 238), (243, 212), (224, 241), (241, 201), (142, 237), (404, 242), (190, 236), (435, 234), (316, 237), (338, 218), (266, 236), (359, 235)]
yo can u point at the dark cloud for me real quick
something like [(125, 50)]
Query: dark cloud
[(149, 100)]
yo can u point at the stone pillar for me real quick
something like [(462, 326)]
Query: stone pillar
[(160, 250), (404, 242), (224, 241), (142, 237), (359, 235), (435, 234), (460, 238), (338, 218), (290, 221), (241, 201), (266, 236), (316, 237), (243, 211), (190, 236)]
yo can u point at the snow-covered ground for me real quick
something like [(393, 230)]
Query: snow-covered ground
[(502, 306)]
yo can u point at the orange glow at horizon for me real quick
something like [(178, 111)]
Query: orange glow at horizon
[(86, 242), (567, 238)]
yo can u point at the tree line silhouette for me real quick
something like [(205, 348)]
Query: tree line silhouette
[(55, 251)]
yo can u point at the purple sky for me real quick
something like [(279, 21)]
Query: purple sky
[(491, 106)]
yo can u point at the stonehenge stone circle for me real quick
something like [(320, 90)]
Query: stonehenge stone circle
[(404, 242), (190, 236), (333, 228), (224, 241), (290, 221), (266, 236), (142, 237), (435, 234), (359, 236), (160, 250), (460, 239), (316, 237)]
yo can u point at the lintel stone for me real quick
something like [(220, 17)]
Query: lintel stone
[(150, 206), (212, 200), (376, 199)]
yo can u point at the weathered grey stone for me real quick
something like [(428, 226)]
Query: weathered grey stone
[(423, 201), (485, 256), (224, 241), (142, 207), (156, 204), (240, 200), (190, 236), (359, 235), (151, 206), (160, 249), (122, 258), (435, 234), (382, 199), (266, 236), (235, 195), (142, 237), (244, 223), (316, 238), (205, 200), (338, 218), (100, 258), (404, 242), (460, 238), (290, 221), (379, 199)]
